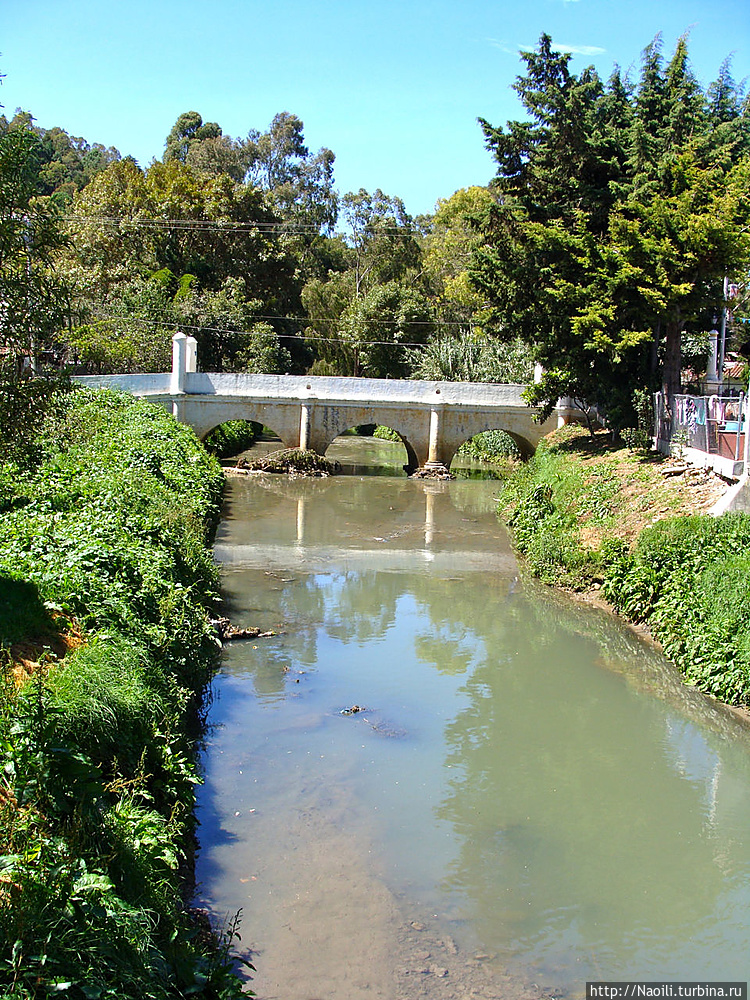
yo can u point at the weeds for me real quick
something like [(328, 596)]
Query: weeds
[(687, 578), (105, 536)]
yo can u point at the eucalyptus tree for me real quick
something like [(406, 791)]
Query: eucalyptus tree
[(364, 315), (300, 183)]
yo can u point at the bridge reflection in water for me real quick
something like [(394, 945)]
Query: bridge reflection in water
[(379, 555)]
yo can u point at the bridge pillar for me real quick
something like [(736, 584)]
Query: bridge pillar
[(434, 446), (304, 426)]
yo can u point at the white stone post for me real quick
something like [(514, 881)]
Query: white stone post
[(712, 371), (564, 406), (191, 359), (179, 363)]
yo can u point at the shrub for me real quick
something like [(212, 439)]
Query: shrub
[(232, 437), (105, 537), (489, 446)]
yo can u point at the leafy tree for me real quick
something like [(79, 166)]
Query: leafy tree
[(33, 300), (382, 238), (210, 244), (452, 235), (62, 164), (299, 183), (376, 328), (263, 352), (187, 132), (325, 301), (374, 303), (620, 210)]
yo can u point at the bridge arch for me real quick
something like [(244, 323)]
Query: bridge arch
[(212, 415), (411, 424), (412, 459)]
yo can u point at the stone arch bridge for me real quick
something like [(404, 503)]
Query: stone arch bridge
[(433, 419)]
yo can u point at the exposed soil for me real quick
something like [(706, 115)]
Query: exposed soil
[(650, 486), (31, 654)]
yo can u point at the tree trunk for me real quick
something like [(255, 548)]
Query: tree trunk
[(672, 369)]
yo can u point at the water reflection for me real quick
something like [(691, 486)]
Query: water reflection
[(576, 828), (530, 769)]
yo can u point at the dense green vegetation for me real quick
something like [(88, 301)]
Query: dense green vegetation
[(686, 578), (620, 210), (106, 581), (232, 437)]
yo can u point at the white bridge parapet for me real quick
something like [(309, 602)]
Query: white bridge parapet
[(433, 419)]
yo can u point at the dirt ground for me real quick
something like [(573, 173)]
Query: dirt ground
[(651, 486)]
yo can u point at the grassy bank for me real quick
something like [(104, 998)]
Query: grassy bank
[(106, 579), (590, 516)]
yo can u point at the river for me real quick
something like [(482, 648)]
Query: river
[(437, 779)]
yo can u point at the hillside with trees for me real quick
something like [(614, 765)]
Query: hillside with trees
[(618, 210)]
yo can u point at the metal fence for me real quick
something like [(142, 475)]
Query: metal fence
[(714, 425)]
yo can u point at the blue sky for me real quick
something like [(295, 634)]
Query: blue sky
[(393, 87)]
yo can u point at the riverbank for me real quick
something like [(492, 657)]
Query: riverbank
[(106, 584), (631, 530)]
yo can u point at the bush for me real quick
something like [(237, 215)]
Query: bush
[(386, 433), (490, 446), (689, 580), (232, 437), (105, 539)]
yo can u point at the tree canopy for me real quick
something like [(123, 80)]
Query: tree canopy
[(620, 209)]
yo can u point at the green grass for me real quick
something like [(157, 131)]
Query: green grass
[(687, 578), (108, 535)]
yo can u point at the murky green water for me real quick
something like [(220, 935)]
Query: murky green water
[(525, 771)]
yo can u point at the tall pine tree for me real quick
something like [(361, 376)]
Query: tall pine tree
[(620, 209)]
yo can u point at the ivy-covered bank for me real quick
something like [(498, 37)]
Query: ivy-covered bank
[(589, 516), (106, 580)]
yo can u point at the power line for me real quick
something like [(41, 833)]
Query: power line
[(277, 228), (250, 333)]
